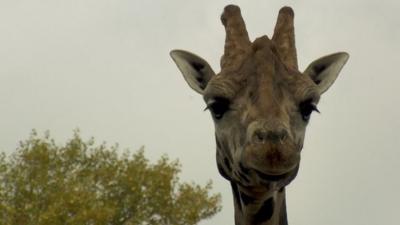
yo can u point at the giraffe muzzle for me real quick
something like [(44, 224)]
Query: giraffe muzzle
[(273, 158)]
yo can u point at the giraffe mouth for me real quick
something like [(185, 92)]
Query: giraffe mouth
[(272, 177), (272, 162)]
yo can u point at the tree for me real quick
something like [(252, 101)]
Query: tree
[(84, 184)]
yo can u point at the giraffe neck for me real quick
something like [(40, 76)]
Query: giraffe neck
[(269, 209)]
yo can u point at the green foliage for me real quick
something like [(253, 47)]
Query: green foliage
[(84, 184)]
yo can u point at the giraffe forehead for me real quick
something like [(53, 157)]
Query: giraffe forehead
[(260, 73)]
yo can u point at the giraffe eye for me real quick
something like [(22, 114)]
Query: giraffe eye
[(306, 108), (218, 107)]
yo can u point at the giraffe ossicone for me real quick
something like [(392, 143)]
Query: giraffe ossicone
[(260, 104)]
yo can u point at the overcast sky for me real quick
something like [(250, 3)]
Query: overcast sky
[(103, 66)]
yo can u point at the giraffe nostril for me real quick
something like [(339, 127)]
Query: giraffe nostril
[(262, 136), (281, 135)]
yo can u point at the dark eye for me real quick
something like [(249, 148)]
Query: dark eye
[(218, 107), (306, 108)]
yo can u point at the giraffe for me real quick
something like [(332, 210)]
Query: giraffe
[(260, 104)]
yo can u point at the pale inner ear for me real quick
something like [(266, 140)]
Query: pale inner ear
[(196, 71), (325, 70)]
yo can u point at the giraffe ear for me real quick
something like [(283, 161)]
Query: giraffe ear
[(325, 70), (195, 70)]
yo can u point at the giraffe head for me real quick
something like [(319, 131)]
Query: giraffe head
[(260, 102)]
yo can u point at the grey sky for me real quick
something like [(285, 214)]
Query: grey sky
[(103, 66)]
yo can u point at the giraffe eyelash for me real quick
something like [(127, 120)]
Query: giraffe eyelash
[(306, 108), (218, 107)]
